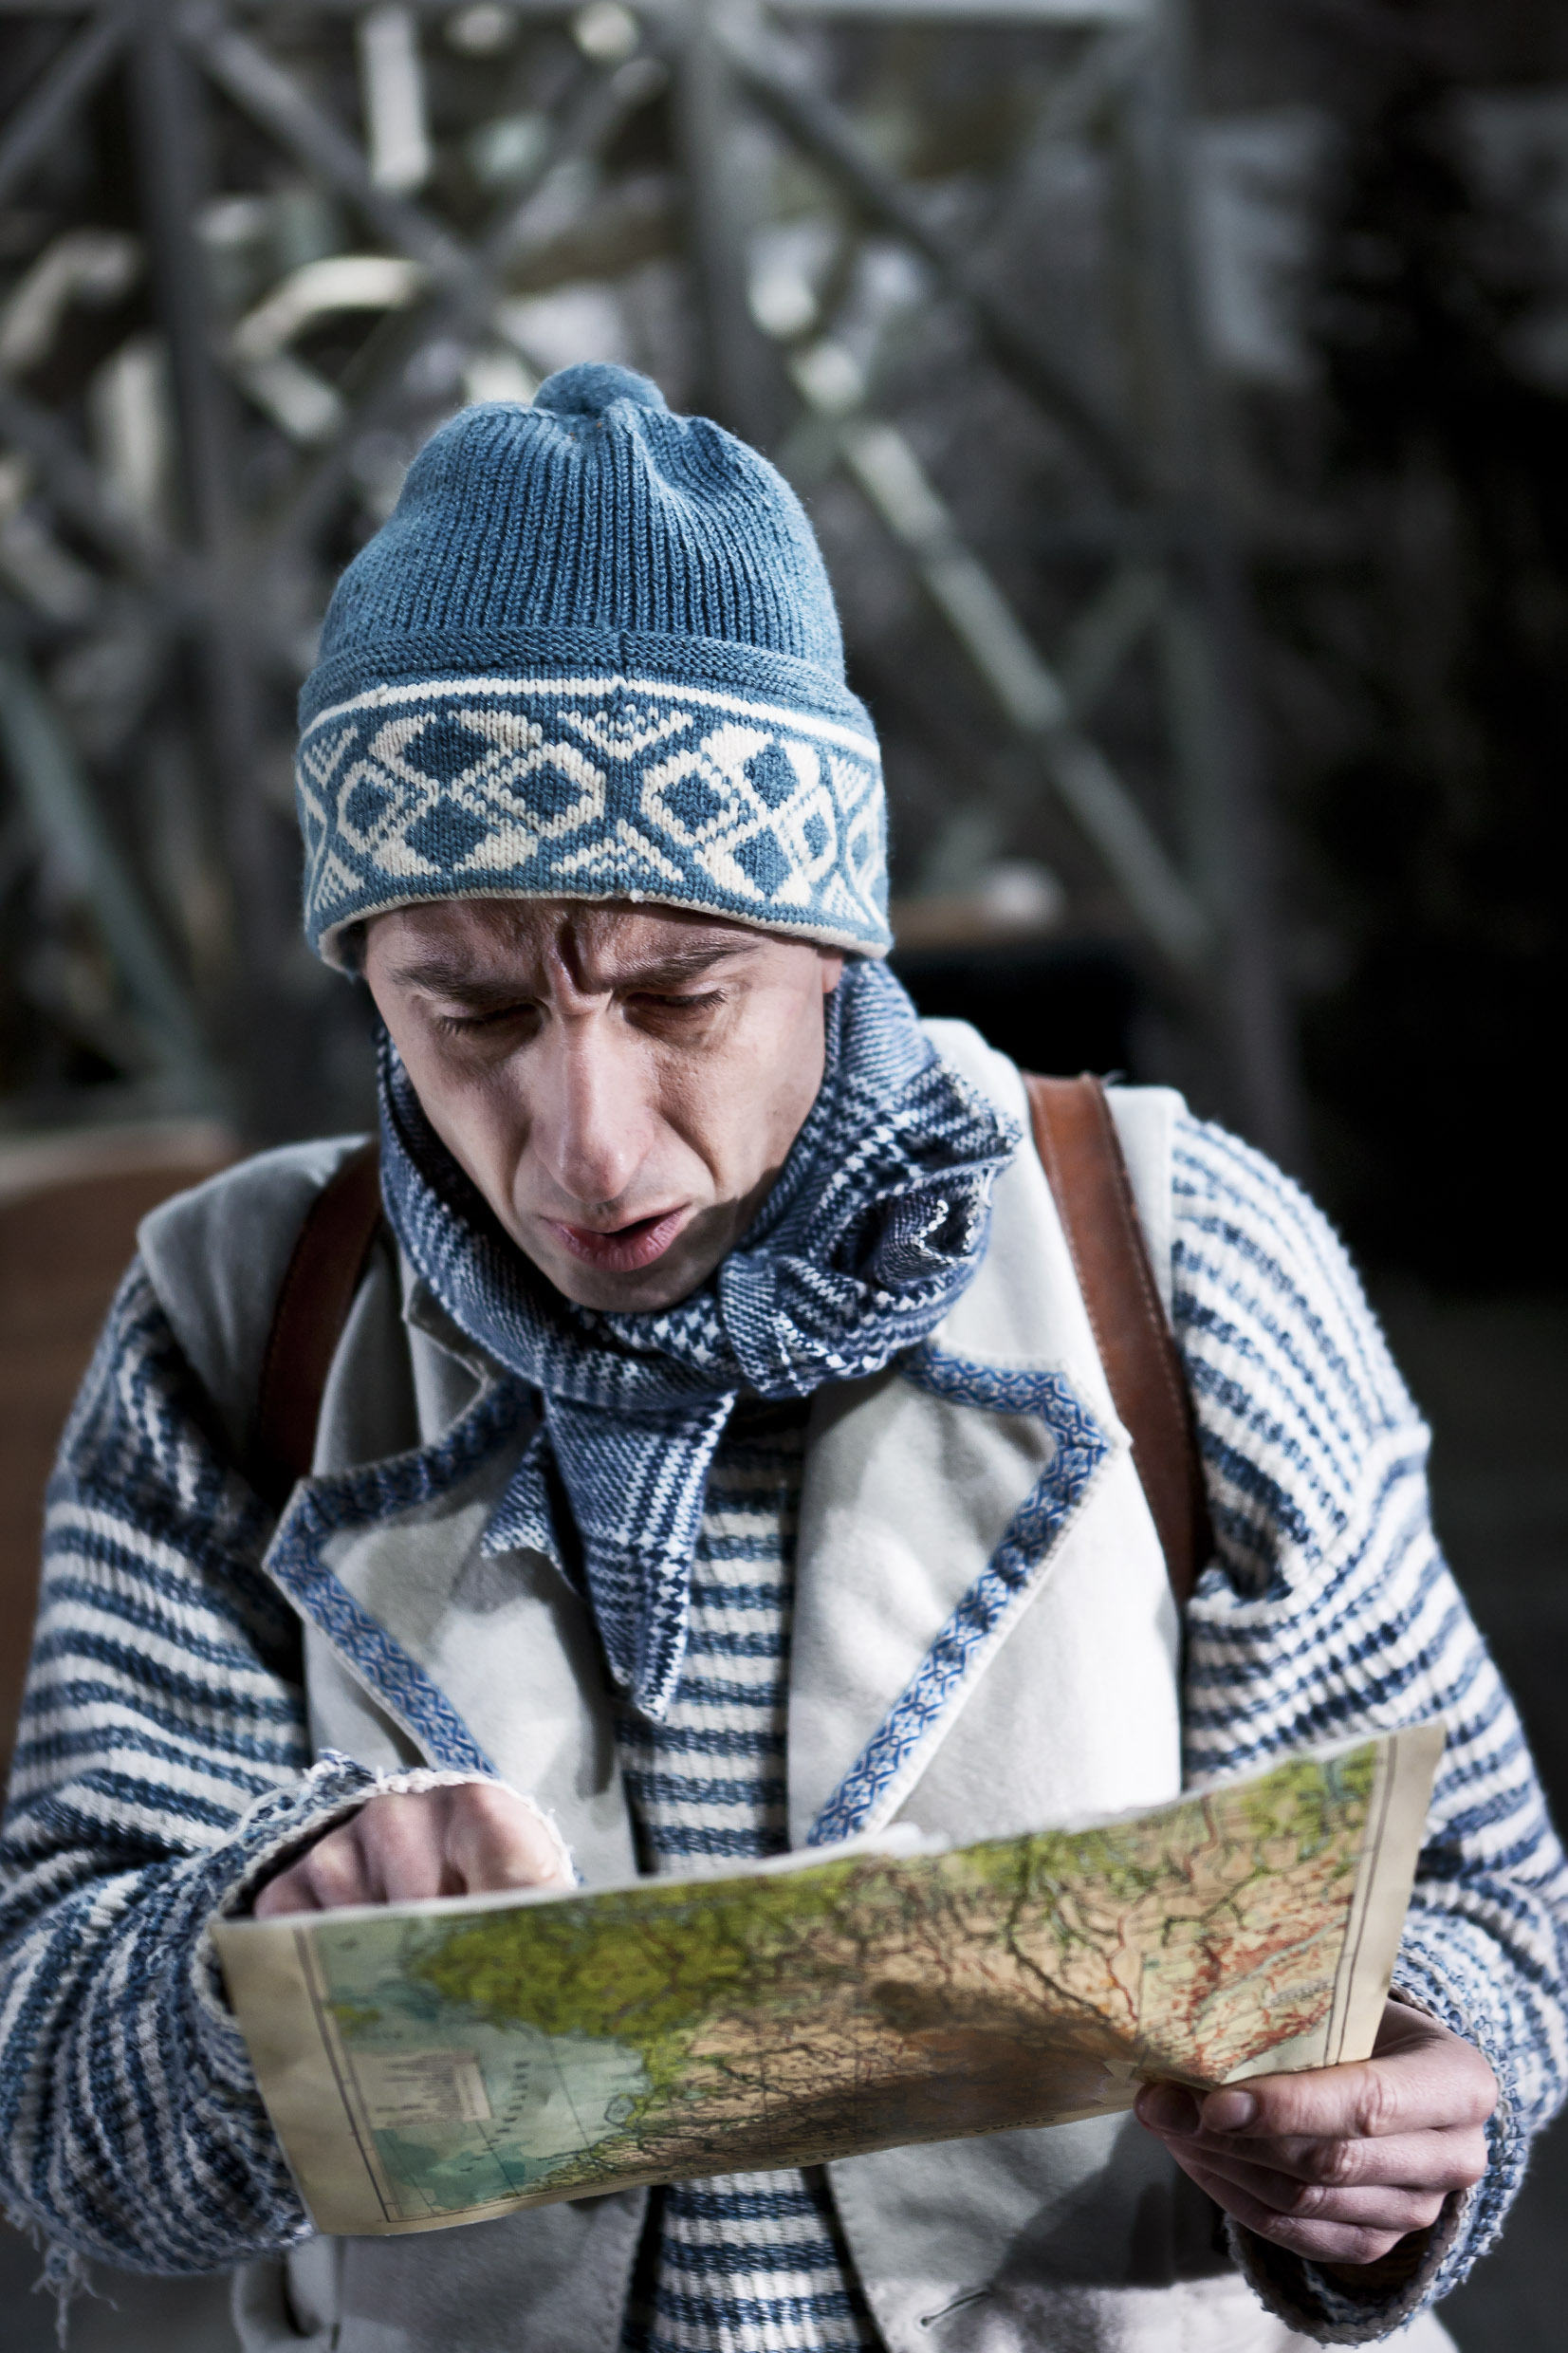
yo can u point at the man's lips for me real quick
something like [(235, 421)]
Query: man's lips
[(625, 1249)]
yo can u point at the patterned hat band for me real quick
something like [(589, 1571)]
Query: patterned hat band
[(601, 786)]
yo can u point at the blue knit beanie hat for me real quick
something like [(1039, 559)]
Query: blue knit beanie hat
[(592, 654)]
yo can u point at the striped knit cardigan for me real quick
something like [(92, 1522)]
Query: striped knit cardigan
[(164, 1763)]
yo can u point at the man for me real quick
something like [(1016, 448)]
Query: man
[(716, 1457)]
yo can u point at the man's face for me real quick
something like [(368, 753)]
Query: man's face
[(622, 1087)]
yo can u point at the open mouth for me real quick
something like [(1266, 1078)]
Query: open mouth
[(625, 1249)]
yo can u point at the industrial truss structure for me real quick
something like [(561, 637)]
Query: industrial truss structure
[(932, 254)]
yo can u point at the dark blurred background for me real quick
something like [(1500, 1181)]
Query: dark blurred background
[(1181, 394)]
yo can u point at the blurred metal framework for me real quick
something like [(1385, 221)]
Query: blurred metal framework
[(169, 576)]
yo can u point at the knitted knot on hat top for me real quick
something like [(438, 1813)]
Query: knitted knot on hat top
[(592, 654)]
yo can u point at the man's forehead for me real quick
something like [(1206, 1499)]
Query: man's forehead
[(488, 939)]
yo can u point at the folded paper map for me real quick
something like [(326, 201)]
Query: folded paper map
[(428, 2063)]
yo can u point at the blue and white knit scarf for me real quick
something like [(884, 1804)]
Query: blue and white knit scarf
[(876, 1227)]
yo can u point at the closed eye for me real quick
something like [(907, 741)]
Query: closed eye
[(674, 1013), (489, 1017), (647, 1003), (693, 1003)]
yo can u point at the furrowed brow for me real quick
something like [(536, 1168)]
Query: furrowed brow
[(448, 977), (682, 964), (452, 976)]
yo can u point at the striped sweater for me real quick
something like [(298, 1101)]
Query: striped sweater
[(163, 1761), (749, 2260)]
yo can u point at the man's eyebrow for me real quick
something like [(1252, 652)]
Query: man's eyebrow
[(682, 964), (452, 976)]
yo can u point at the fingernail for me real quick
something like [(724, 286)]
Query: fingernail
[(1228, 2111), (1166, 2109)]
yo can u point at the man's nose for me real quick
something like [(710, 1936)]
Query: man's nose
[(589, 1123)]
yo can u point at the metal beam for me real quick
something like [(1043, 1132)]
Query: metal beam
[(264, 91), (168, 122), (76, 489), (49, 104), (54, 791), (1107, 632), (978, 11), (784, 92), (166, 115), (1071, 107), (738, 379), (1032, 696), (451, 308), (1206, 627)]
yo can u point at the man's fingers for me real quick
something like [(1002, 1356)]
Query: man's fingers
[(1430, 2160), (1434, 2160), (404, 1852), (289, 1891), (402, 1847), (1375, 2206), (1318, 2241), (495, 1841), (328, 1874)]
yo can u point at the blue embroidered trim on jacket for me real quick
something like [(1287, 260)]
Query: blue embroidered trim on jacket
[(1036, 1525), (368, 1498)]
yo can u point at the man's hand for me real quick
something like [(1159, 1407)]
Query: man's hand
[(459, 1841), (1338, 2165)]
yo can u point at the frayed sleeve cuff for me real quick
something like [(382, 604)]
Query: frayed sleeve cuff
[(1317, 2305), (264, 1840)]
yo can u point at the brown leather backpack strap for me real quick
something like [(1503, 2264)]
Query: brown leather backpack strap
[(308, 1324), (1075, 1137)]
